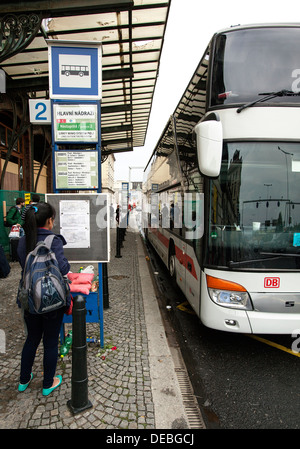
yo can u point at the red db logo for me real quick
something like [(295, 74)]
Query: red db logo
[(272, 282)]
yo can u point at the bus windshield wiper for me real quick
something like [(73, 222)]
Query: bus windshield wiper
[(232, 264), (268, 96), (280, 254), (272, 256)]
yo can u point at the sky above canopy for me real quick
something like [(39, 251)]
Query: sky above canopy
[(191, 25)]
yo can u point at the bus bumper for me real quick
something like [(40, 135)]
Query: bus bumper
[(248, 322), (224, 319), (274, 323), (270, 313)]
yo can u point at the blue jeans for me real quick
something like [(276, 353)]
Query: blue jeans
[(46, 326)]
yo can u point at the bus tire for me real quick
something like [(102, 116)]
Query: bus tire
[(172, 261), (146, 234)]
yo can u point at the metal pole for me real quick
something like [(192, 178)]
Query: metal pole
[(79, 386), (100, 296), (118, 243), (105, 287)]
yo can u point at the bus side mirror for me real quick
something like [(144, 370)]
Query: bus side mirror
[(209, 139)]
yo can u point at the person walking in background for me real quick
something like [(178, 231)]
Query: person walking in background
[(38, 225), (118, 214)]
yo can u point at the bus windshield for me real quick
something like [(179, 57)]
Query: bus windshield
[(270, 56), (254, 207)]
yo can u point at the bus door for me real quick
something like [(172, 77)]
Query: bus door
[(193, 226), (177, 246), (180, 250), (192, 279)]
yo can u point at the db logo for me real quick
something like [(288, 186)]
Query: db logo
[(272, 282)]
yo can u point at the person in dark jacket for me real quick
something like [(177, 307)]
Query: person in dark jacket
[(14, 215), (38, 225)]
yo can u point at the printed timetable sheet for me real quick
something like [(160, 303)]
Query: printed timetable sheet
[(75, 223)]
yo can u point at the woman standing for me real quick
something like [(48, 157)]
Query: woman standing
[(38, 225)]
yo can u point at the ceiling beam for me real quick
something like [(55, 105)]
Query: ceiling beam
[(116, 150), (116, 74), (115, 141), (116, 129), (115, 109), (63, 8)]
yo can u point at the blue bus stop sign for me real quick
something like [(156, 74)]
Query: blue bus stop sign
[(75, 70)]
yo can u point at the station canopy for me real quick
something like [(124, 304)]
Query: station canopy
[(131, 33)]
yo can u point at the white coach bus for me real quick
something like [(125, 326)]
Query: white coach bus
[(223, 183)]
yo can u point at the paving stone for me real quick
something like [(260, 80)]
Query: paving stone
[(119, 386)]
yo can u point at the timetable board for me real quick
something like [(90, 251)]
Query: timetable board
[(83, 220)]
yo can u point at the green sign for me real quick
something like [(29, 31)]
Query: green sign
[(76, 170), (76, 126), (75, 122)]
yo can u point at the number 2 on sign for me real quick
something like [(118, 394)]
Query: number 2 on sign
[(39, 115)]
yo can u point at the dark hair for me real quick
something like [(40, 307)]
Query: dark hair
[(35, 197), (36, 217), (20, 200)]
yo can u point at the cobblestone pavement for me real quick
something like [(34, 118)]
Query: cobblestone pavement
[(119, 381)]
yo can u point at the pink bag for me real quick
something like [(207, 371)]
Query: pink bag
[(81, 282), (80, 278)]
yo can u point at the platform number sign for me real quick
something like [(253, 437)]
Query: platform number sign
[(40, 111)]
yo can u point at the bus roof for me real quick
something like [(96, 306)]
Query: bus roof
[(258, 25)]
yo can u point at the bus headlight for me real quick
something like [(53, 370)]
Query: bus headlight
[(228, 294)]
